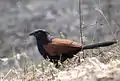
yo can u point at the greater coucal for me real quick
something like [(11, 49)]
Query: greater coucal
[(60, 49)]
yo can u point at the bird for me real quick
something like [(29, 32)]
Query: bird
[(60, 49), (55, 48)]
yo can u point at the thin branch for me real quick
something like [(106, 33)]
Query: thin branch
[(81, 19)]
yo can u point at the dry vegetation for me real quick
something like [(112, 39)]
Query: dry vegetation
[(103, 66)]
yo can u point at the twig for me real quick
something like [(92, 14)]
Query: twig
[(81, 26)]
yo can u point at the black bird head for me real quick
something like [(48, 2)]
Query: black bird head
[(41, 35)]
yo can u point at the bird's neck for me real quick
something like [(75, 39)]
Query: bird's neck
[(44, 40)]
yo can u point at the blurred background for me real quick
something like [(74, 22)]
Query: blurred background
[(100, 22)]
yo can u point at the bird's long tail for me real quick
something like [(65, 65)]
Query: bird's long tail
[(96, 45)]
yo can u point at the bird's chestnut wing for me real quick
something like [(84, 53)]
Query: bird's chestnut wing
[(60, 46)]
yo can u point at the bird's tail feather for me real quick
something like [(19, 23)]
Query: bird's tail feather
[(96, 45)]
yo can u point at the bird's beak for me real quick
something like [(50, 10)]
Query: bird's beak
[(30, 34)]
